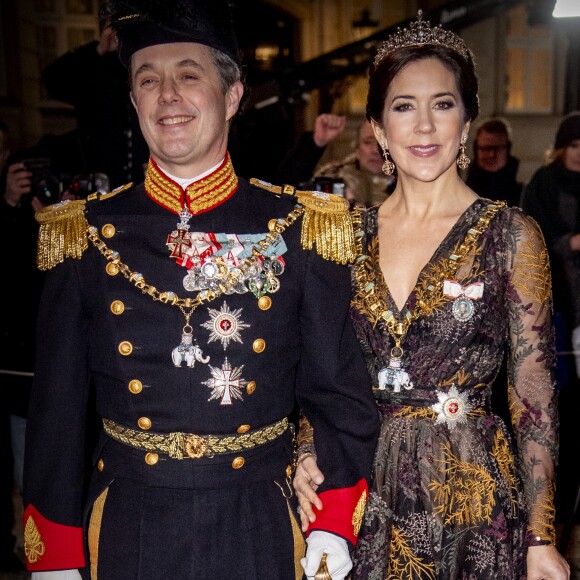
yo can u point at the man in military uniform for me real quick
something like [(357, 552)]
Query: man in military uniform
[(194, 310)]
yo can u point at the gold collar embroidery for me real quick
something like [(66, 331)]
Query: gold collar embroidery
[(201, 196)]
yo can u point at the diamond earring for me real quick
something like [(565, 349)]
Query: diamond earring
[(462, 160), (388, 165)]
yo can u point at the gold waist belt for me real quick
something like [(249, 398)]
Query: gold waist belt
[(191, 446)]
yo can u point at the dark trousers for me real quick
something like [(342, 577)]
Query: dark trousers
[(147, 533)]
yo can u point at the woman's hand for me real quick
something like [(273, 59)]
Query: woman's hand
[(306, 481), (546, 563)]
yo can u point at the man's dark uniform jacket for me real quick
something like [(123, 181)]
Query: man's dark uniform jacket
[(157, 506)]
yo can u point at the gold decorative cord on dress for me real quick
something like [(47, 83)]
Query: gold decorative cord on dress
[(327, 224), (201, 195)]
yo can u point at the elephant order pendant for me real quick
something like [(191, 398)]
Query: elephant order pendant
[(187, 352), (395, 375)]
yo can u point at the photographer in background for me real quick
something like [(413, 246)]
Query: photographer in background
[(18, 232), (360, 171), (92, 79)]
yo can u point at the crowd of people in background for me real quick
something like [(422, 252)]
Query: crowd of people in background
[(18, 231), (108, 141), (358, 176)]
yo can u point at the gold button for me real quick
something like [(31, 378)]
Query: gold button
[(243, 428), (108, 230), (117, 307), (144, 423), (238, 462), (251, 387), (264, 303), (125, 348), (101, 465), (135, 386), (112, 269), (151, 458), (259, 345)]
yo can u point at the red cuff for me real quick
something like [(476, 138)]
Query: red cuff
[(343, 511), (51, 546)]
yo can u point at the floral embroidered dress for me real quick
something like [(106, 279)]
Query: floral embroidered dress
[(452, 495)]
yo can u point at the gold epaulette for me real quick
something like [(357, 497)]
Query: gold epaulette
[(63, 229), (62, 234), (328, 222)]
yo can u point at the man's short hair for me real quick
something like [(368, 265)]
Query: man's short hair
[(496, 126)]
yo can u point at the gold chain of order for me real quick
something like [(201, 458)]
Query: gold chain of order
[(187, 305), (428, 293)]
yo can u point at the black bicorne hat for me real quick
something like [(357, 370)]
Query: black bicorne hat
[(142, 23)]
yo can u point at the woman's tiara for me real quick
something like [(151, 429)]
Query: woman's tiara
[(418, 34)]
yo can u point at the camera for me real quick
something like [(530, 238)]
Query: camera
[(329, 185), (82, 185), (49, 186), (44, 184)]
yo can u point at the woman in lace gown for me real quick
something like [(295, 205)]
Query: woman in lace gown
[(444, 283)]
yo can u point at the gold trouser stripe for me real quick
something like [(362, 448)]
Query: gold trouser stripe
[(299, 544), (191, 446), (95, 532)]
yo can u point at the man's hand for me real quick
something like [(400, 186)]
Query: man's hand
[(546, 563), (338, 559), (17, 183), (306, 481), (327, 127)]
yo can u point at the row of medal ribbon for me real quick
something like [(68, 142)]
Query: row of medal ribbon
[(212, 257)]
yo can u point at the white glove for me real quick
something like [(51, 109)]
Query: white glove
[(338, 559), (57, 575)]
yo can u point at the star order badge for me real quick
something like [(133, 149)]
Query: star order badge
[(452, 407), (225, 325), (226, 383)]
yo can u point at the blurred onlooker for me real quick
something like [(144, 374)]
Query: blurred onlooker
[(298, 165), (494, 172), (552, 197), (18, 233), (92, 79), (361, 172), (493, 175)]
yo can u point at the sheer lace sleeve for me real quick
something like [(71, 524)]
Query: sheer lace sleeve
[(531, 371), (304, 440)]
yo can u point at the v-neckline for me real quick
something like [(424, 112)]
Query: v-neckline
[(389, 300)]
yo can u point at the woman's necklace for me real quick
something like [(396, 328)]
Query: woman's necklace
[(429, 295)]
